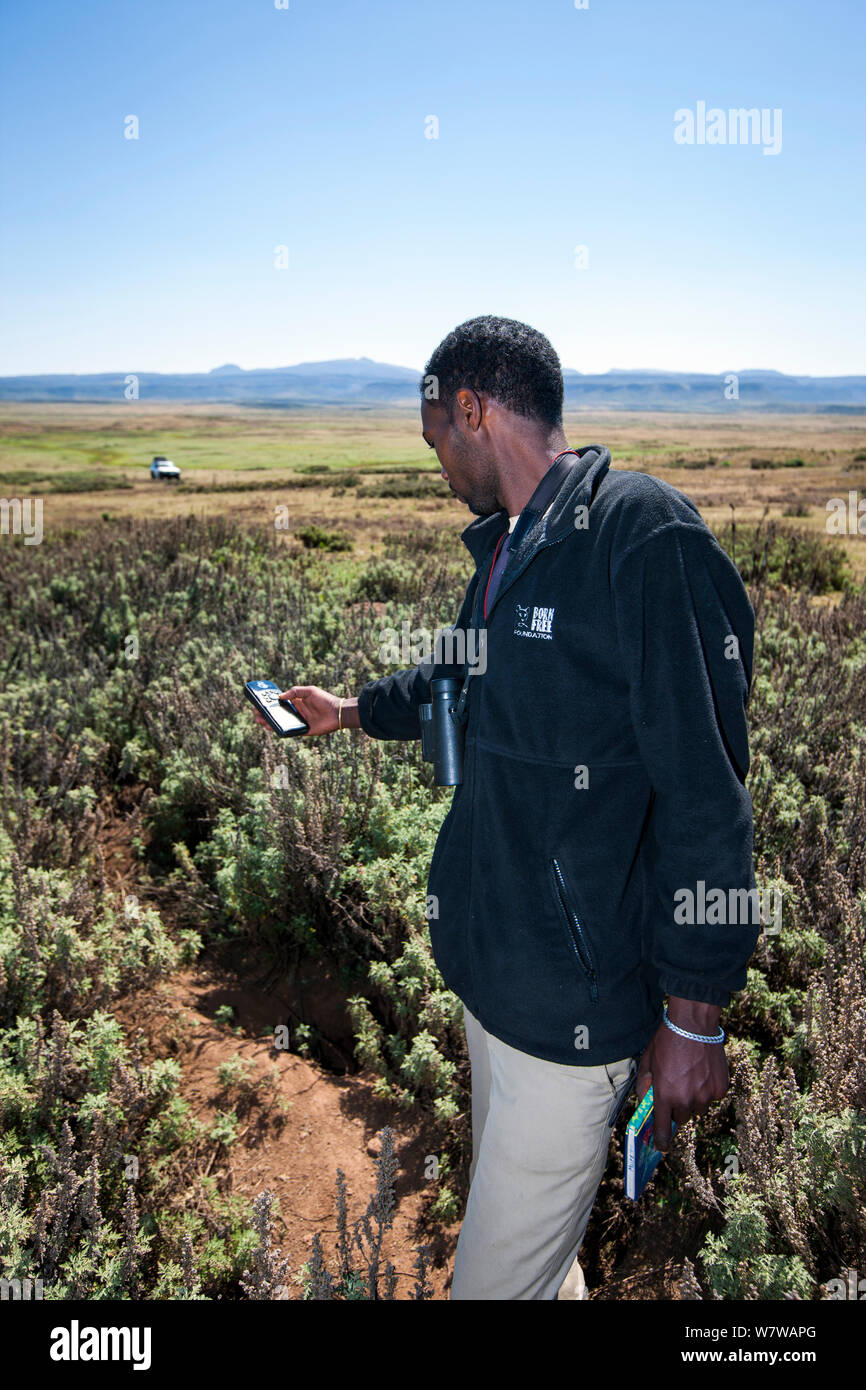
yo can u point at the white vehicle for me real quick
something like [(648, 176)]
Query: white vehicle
[(164, 468)]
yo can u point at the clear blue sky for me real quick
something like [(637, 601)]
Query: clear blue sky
[(305, 127)]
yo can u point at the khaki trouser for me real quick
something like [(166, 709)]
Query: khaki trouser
[(540, 1139)]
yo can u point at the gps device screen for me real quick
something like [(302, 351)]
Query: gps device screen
[(283, 718)]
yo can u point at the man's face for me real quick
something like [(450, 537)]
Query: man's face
[(466, 466)]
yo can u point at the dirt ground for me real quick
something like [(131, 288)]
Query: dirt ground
[(332, 1121)]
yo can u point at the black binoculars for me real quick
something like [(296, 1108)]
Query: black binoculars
[(443, 731)]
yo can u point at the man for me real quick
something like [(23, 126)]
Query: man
[(603, 797)]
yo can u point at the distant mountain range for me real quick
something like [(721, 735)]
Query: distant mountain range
[(359, 381)]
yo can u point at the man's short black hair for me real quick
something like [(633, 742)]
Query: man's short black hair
[(513, 363)]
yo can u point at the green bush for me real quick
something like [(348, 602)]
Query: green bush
[(771, 555), (317, 538)]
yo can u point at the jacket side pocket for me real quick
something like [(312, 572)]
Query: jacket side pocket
[(576, 935)]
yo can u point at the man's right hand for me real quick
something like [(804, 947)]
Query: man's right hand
[(319, 708)]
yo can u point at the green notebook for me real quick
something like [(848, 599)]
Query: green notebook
[(641, 1155)]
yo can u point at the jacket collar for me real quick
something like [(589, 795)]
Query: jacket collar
[(578, 489)]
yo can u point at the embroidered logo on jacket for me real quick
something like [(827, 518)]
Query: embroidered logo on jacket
[(539, 624)]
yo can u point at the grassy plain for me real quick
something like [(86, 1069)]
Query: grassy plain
[(327, 465)]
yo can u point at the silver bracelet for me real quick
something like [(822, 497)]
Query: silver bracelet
[(693, 1037)]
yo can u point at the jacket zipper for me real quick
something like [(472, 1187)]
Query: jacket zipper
[(539, 545), (579, 942), (512, 578)]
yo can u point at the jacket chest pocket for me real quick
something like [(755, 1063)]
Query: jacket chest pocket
[(577, 937)]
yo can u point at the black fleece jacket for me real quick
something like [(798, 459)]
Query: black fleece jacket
[(604, 779)]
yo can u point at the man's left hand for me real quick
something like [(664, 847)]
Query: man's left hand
[(685, 1076)]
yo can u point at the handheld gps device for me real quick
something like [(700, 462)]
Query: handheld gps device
[(280, 714)]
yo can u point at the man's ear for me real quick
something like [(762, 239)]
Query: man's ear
[(467, 407)]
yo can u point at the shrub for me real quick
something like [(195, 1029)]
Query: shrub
[(769, 555), (317, 538), (415, 485)]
